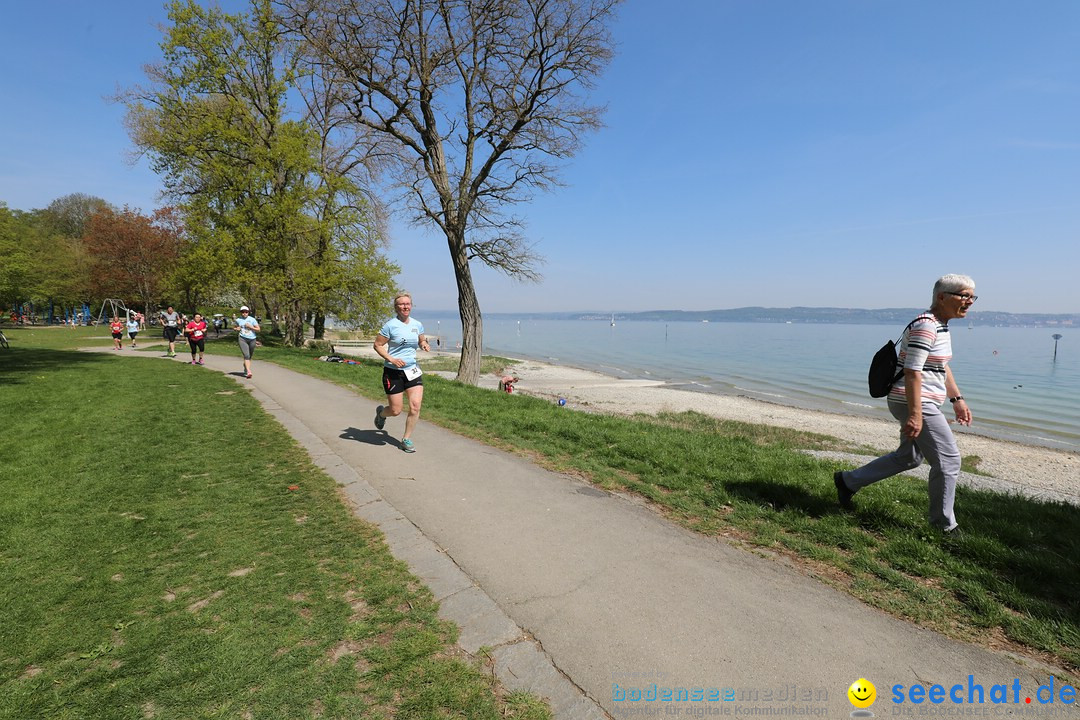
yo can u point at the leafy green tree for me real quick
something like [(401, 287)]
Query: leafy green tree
[(39, 264), (352, 220), (64, 271), (15, 260), (245, 171)]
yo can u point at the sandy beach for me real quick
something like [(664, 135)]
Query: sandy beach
[(1023, 469), (1019, 468)]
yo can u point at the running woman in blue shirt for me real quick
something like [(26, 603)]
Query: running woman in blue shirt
[(396, 344), (246, 327)]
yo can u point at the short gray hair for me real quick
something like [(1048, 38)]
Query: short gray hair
[(401, 295), (951, 283)]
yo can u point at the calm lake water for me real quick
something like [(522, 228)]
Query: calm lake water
[(1015, 389)]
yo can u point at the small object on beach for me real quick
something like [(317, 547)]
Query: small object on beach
[(562, 402)]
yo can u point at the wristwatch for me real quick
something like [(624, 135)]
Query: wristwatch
[(954, 399)]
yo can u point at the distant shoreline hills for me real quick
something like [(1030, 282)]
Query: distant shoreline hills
[(843, 316)]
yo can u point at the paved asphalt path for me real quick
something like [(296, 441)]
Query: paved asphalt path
[(607, 592)]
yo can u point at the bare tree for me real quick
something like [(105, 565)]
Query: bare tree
[(68, 215), (470, 105)]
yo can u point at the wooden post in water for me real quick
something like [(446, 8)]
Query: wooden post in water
[(1056, 336)]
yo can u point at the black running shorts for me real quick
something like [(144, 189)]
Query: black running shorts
[(394, 381)]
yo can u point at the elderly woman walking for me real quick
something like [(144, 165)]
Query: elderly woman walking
[(915, 401)]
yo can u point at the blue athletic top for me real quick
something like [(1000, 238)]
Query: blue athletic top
[(245, 325), (404, 340)]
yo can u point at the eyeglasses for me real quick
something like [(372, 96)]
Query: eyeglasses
[(963, 296)]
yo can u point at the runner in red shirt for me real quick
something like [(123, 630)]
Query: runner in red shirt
[(196, 337), (117, 329)]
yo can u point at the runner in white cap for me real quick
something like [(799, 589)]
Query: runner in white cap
[(246, 326)]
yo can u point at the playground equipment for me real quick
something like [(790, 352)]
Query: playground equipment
[(116, 309)]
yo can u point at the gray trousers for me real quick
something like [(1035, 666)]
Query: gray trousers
[(937, 444), (247, 346)]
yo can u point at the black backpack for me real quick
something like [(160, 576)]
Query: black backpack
[(883, 374)]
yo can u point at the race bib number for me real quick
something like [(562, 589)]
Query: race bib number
[(412, 372)]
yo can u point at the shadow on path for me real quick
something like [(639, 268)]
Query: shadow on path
[(370, 437)]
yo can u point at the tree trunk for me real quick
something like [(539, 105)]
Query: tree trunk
[(269, 316), (294, 324), (148, 304), (319, 325), (472, 323)]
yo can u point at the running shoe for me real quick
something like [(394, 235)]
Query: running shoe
[(380, 421), (201, 361), (194, 363), (249, 376), (407, 446), (843, 492)]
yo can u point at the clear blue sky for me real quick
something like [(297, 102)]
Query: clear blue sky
[(788, 152)]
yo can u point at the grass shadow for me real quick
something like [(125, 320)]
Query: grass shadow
[(781, 497), (1030, 543), (1011, 565), (19, 364)]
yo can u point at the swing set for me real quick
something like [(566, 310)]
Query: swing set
[(116, 309)]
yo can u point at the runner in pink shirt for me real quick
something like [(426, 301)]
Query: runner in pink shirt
[(117, 329), (196, 337)]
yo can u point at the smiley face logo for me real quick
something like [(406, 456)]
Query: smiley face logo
[(862, 693)]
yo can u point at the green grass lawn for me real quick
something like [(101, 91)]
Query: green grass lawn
[(1010, 580), (167, 551), (59, 337)]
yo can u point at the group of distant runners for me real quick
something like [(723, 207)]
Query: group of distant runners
[(397, 342), (117, 326), (174, 325)]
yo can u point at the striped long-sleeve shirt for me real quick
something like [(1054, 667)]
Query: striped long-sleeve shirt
[(927, 348)]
